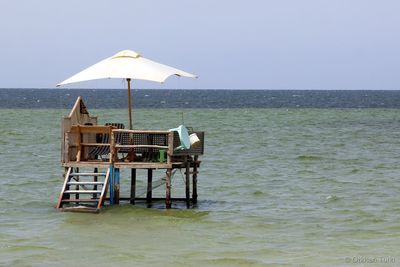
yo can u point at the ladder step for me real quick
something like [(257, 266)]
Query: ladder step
[(81, 209), (85, 183), (82, 192), (88, 174), (80, 200)]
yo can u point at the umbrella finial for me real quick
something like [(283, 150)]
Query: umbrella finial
[(126, 53)]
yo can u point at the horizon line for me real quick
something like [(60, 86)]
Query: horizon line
[(205, 89)]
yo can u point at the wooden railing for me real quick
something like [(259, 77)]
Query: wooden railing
[(85, 136), (141, 142), (120, 141)]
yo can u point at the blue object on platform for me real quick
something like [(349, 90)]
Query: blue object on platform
[(183, 136)]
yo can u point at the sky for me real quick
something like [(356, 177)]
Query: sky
[(235, 44)]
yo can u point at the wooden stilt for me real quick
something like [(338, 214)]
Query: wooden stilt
[(149, 185), (187, 183), (133, 186), (95, 180), (77, 186), (116, 188), (168, 189), (194, 177)]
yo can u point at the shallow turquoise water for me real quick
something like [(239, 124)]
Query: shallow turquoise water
[(312, 187)]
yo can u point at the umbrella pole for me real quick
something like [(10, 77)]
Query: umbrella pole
[(129, 103), (131, 153)]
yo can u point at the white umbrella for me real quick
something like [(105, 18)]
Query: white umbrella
[(127, 65)]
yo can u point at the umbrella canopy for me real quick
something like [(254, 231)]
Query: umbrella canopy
[(127, 65)]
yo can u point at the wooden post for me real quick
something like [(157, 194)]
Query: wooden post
[(116, 180), (187, 182), (79, 143), (111, 184), (170, 151), (168, 189), (95, 180), (149, 185), (77, 186), (113, 156), (194, 196), (133, 186)]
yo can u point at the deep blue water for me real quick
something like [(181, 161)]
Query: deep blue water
[(170, 98)]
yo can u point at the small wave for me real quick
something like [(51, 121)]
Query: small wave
[(355, 170), (225, 261), (20, 248), (258, 193), (332, 198), (188, 214), (308, 157)]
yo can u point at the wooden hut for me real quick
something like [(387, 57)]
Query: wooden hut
[(93, 156)]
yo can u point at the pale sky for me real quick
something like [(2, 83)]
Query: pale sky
[(248, 44)]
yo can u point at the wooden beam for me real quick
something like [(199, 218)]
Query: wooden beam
[(90, 129), (77, 186), (142, 165), (168, 203), (140, 131), (139, 146), (95, 144), (187, 183), (170, 150), (60, 198), (149, 185), (133, 186), (154, 199), (95, 179), (194, 177)]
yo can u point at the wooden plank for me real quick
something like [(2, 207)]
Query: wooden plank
[(90, 129), (140, 146), (90, 164), (82, 192), (85, 183), (140, 131), (130, 165), (154, 199), (104, 190), (79, 200), (66, 178), (95, 144), (142, 165), (88, 174), (75, 107), (81, 209)]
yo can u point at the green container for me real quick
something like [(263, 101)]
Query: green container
[(162, 157)]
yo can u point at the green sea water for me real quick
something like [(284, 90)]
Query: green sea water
[(297, 187)]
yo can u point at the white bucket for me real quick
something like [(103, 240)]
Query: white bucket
[(194, 140)]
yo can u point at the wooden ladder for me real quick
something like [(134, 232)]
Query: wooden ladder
[(78, 183)]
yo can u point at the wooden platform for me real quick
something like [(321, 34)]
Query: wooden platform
[(88, 145)]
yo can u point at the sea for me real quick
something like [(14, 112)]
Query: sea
[(288, 178)]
